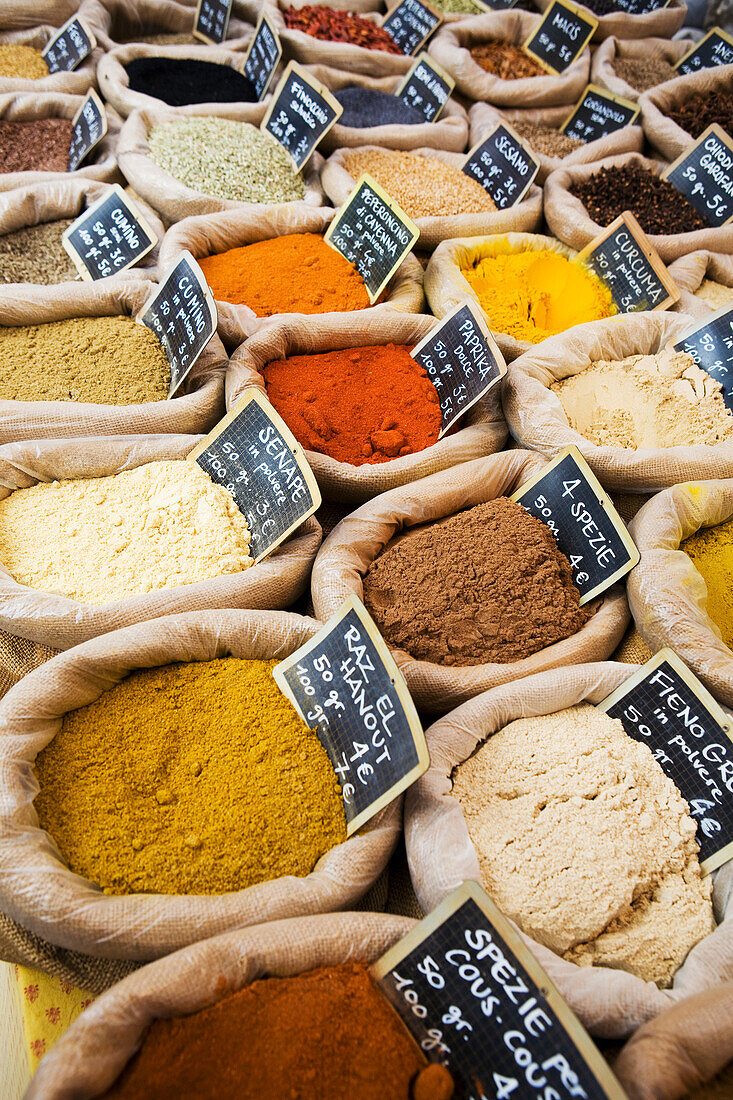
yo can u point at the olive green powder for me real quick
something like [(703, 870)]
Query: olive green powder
[(35, 254)]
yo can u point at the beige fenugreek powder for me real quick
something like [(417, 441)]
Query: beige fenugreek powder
[(586, 844), (107, 538)]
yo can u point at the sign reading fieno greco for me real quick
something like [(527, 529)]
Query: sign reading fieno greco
[(704, 175), (568, 497), (69, 46), (716, 48), (344, 681), (561, 37), (263, 56), (110, 236), (624, 259), (426, 88), (373, 233), (88, 127), (182, 314), (665, 706), (711, 346), (255, 456), (598, 113), (462, 360), (476, 1000), (503, 166), (411, 23), (301, 112), (211, 21)]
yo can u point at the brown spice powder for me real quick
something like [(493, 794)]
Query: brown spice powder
[(41, 145), (505, 60)]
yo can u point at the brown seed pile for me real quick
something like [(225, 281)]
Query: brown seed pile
[(506, 61), (22, 61), (35, 254), (657, 204), (41, 145), (546, 139), (423, 186), (644, 72), (700, 111)]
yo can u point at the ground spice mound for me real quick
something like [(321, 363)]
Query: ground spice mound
[(711, 552), (35, 254), (701, 110), (656, 203), (586, 844), (487, 585), (333, 25), (104, 360), (423, 186), (359, 405), (41, 145), (99, 539), (715, 294), (322, 1035), (643, 73), (297, 273), (661, 400), (506, 61), (195, 778), (23, 62), (546, 139)]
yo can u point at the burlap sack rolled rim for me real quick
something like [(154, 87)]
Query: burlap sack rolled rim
[(662, 133), (603, 64), (308, 50), (108, 18), (664, 22), (689, 272), (21, 14), (77, 82)]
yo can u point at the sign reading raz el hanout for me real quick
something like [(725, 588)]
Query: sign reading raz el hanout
[(108, 237), (623, 258), (561, 37), (704, 175), (211, 21), (301, 112), (503, 165)]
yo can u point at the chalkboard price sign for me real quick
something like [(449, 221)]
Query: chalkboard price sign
[(301, 112), (561, 37), (88, 127), (211, 21), (598, 113), (711, 346), (503, 166), (411, 23), (182, 314), (716, 48), (256, 458), (373, 233), (426, 87), (263, 56), (69, 46), (110, 236), (498, 5), (476, 1000), (344, 682), (704, 175), (665, 706), (569, 499), (640, 7), (463, 361), (623, 258)]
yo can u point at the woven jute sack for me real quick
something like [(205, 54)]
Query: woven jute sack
[(36, 887), (174, 200), (603, 65), (668, 597), (101, 164), (211, 234), (197, 409), (94, 1051), (537, 420), (77, 82), (451, 48), (302, 47), (611, 1003), (445, 286), (662, 133), (354, 543), (569, 220), (484, 118), (57, 621), (525, 216), (481, 432), (662, 23), (358, 6), (116, 22), (449, 131), (689, 272), (19, 15)]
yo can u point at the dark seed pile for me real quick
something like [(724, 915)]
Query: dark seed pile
[(365, 107), (179, 81), (658, 206), (702, 110)]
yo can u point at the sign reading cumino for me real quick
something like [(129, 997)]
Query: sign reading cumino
[(263, 56), (711, 346), (561, 37), (411, 23), (598, 113), (108, 237), (704, 175), (301, 112), (503, 166), (426, 88), (211, 21), (624, 259), (69, 46), (716, 48), (88, 127)]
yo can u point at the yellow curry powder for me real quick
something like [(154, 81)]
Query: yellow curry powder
[(535, 294), (195, 778), (711, 552)]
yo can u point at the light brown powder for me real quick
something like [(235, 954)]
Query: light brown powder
[(716, 295)]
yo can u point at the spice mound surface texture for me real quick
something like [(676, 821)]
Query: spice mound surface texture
[(103, 360), (586, 844), (297, 273), (231, 160), (359, 405), (194, 778), (322, 1035), (715, 294), (643, 73), (486, 585), (178, 81), (656, 204), (22, 61), (546, 139), (333, 25), (41, 145), (35, 254), (700, 111), (423, 186), (367, 107), (534, 294), (505, 60), (100, 539), (661, 400), (711, 551)]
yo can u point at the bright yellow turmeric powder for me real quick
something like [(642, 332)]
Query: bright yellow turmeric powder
[(535, 294), (195, 778), (711, 552)]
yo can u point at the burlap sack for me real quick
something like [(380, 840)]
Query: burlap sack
[(668, 597), (210, 234), (36, 887), (116, 22), (57, 621), (354, 543), (358, 6), (445, 287), (482, 431), (611, 1003), (569, 220), (77, 82), (664, 135), (20, 14), (689, 272), (451, 48), (197, 409), (525, 216), (449, 132), (173, 199), (302, 47), (662, 23), (603, 65), (484, 118)]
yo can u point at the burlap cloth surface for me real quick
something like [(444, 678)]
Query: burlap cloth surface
[(21, 14), (603, 66), (662, 23), (116, 22), (689, 271), (664, 135)]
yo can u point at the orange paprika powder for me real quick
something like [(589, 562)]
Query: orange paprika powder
[(359, 405)]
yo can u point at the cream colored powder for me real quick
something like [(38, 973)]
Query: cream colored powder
[(106, 538), (715, 294), (661, 400), (585, 843)]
